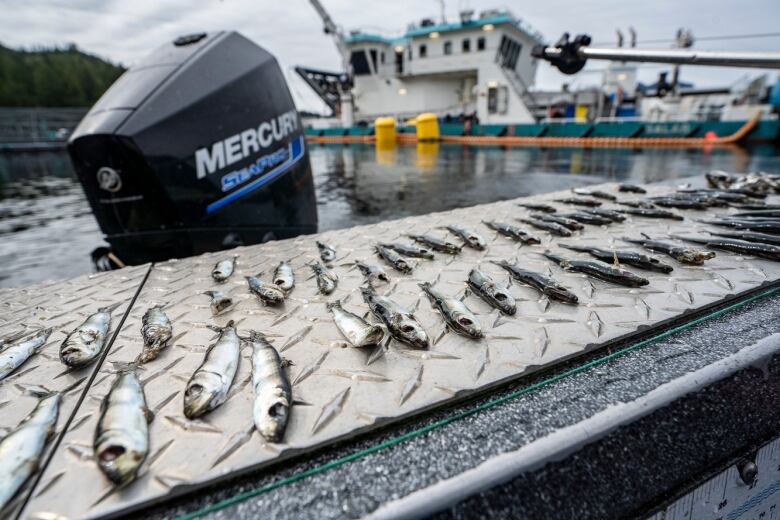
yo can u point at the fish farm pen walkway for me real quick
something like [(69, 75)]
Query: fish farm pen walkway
[(656, 393)]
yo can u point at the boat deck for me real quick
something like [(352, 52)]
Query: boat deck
[(569, 351)]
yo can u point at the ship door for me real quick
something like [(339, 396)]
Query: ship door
[(497, 99)]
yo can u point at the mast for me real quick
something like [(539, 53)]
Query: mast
[(330, 27)]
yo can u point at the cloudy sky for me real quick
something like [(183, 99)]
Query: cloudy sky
[(124, 31)]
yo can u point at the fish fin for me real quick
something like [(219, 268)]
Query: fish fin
[(443, 333), (148, 414), (645, 235), (300, 402), (615, 258), (285, 362)]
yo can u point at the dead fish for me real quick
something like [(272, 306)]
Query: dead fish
[(513, 232), (743, 247), (551, 227), (544, 284), (327, 280), (753, 224), (587, 218), (156, 329), (219, 301), (327, 252), (684, 255), (209, 385), (631, 188), (599, 270), (284, 277), (624, 257), (272, 390), (455, 313), (568, 223), (636, 204), (765, 211), (401, 323), (224, 269), (681, 203), (22, 448), (594, 193), (610, 214), (752, 236), (544, 208), (472, 239), (122, 434), (15, 353), (651, 213), (576, 201), (358, 331), (437, 244), (269, 293), (410, 250), (494, 293), (84, 344), (398, 262), (372, 273)]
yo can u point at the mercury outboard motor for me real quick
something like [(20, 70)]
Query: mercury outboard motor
[(197, 148)]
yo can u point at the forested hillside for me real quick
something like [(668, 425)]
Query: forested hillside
[(63, 77)]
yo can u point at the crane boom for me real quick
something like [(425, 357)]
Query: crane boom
[(335, 32)]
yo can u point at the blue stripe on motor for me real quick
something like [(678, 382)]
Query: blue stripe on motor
[(296, 152)]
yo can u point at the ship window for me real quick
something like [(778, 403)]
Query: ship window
[(382, 58), (481, 43), (373, 59), (508, 52), (423, 50), (466, 45), (399, 62), (448, 47), (359, 63), (410, 53)]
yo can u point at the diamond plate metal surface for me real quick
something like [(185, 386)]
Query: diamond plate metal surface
[(63, 306), (342, 391)]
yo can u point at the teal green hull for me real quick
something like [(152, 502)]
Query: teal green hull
[(764, 130)]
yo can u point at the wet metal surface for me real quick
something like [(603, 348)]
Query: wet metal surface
[(343, 391)]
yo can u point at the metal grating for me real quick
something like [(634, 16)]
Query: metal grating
[(344, 391)]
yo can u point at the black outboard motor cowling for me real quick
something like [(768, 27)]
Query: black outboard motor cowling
[(197, 148)]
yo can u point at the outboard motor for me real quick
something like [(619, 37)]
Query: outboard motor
[(197, 148)]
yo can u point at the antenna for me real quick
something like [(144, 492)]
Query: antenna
[(442, 7)]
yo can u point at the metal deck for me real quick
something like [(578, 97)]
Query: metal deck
[(345, 391)]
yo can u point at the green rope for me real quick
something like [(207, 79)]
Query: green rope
[(466, 413)]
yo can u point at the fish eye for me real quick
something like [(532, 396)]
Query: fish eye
[(279, 281), (407, 328), (193, 390), (111, 453), (465, 321), (500, 296)]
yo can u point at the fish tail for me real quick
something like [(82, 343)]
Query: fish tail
[(333, 305), (124, 366), (111, 308)]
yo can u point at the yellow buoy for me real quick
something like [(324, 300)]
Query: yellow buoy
[(427, 127), (384, 127)]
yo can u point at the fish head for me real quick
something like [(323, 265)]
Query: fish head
[(118, 459), (412, 333), (561, 294), (467, 324), (201, 394), (504, 300), (75, 353), (271, 414), (693, 256)]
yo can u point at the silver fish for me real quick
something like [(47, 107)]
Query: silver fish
[(157, 331), (219, 301), (472, 239), (437, 244), (492, 292), (455, 313), (358, 331), (373, 273), (209, 385), (327, 252), (19, 351), (327, 280), (84, 344), (224, 269), (269, 293), (21, 449), (122, 434), (284, 277), (273, 393), (390, 256), (401, 324), (410, 250)]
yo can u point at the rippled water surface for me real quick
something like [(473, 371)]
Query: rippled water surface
[(47, 230)]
